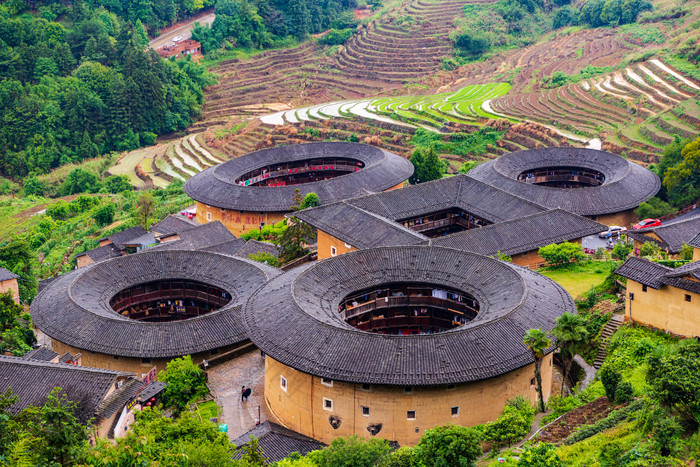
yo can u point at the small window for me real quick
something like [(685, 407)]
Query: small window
[(145, 360), (327, 404), (327, 382), (366, 387), (116, 357), (214, 351), (208, 216), (334, 252), (687, 297), (411, 415), (644, 288), (283, 383), (408, 389), (533, 381), (348, 246), (454, 411), (450, 387), (365, 411)]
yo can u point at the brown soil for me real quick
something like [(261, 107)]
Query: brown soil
[(567, 424)]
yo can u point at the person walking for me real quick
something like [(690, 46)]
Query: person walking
[(242, 393)]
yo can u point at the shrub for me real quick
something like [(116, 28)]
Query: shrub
[(624, 392), (185, 383), (562, 253), (266, 258), (336, 36), (104, 215), (352, 451), (665, 434), (622, 250), (649, 248), (540, 455), (610, 377), (513, 424), (311, 200), (449, 445)]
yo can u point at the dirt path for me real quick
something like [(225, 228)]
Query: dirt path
[(225, 381)]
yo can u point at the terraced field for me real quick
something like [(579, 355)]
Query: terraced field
[(641, 106), (161, 164), (403, 47), (434, 112)]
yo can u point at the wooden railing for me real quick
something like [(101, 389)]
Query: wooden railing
[(298, 170), (388, 302), (170, 294)]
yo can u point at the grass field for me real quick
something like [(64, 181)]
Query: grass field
[(578, 279), (209, 410)]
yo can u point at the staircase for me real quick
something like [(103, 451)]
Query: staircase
[(608, 331)]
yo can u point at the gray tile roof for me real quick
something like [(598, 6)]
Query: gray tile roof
[(143, 241), (74, 308), (522, 235), (294, 317), (120, 238), (6, 275), (130, 389), (695, 241), (102, 253), (174, 223), (33, 380), (42, 353), (229, 248), (278, 442), (199, 237), (672, 234), (216, 186), (655, 275), (626, 185), (371, 221), (359, 228), (253, 247)]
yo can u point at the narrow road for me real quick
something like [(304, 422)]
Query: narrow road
[(184, 31)]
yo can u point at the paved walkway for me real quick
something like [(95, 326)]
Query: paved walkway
[(589, 372), (225, 382)]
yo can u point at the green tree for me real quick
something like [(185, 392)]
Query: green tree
[(299, 18), (88, 149), (292, 241), (185, 383), (540, 455), (649, 248), (571, 335), (117, 184), (426, 166), (449, 445), (509, 428), (311, 200), (33, 186), (622, 250), (351, 451), (104, 215), (562, 253), (80, 181), (145, 209), (683, 180), (537, 342), (60, 437), (653, 208), (686, 252), (674, 380), (610, 377), (17, 256)]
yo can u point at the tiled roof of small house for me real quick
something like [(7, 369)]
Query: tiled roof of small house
[(33, 380), (655, 275), (102, 253), (131, 388), (120, 238), (74, 308), (198, 237), (229, 248), (217, 186), (41, 353), (521, 235), (6, 275), (672, 233), (174, 223), (253, 247), (277, 442), (626, 184), (294, 318), (695, 242)]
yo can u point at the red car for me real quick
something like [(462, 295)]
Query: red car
[(646, 223)]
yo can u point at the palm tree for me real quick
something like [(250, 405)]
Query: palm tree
[(537, 341), (571, 335)]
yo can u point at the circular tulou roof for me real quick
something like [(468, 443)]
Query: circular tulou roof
[(74, 308), (626, 184), (294, 318), (216, 186)]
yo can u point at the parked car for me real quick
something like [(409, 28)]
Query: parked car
[(177, 38), (613, 231), (646, 223)]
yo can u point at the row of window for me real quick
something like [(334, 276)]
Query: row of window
[(328, 403), (688, 298)]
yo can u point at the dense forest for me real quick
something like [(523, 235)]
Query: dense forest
[(82, 83), (260, 23)]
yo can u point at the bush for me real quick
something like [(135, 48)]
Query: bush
[(513, 424), (649, 248), (311, 200), (540, 455), (449, 445), (610, 377), (622, 250), (562, 253), (653, 208), (352, 451), (104, 215), (336, 36), (665, 434), (624, 392), (185, 383)]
